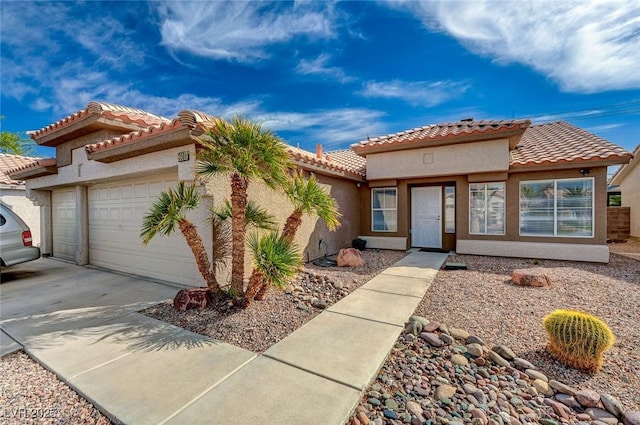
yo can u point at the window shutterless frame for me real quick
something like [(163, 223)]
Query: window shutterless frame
[(384, 209)]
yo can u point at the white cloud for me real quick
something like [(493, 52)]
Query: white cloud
[(238, 30), (584, 46), (319, 66), (422, 93)]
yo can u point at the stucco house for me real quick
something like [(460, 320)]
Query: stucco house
[(628, 179), (455, 186), (13, 193)]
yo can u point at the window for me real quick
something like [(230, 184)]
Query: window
[(450, 209), (562, 208), (486, 208), (384, 204)]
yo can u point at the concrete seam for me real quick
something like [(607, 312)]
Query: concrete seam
[(394, 293), (337, 381), (204, 392), (364, 318), (99, 366)]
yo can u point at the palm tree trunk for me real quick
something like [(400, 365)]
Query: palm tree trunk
[(200, 254), (239, 187), (255, 284), (292, 225), (262, 292)]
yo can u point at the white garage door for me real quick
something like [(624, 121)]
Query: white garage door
[(116, 211), (65, 235)]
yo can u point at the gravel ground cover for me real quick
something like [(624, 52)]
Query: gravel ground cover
[(264, 323), (30, 394), (483, 302)]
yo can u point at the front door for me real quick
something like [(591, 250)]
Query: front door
[(426, 223)]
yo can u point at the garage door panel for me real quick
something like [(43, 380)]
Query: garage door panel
[(65, 238), (116, 212)]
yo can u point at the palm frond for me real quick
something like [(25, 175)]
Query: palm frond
[(221, 243), (309, 197), (278, 259), (255, 216)]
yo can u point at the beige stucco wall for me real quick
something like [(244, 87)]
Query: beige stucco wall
[(630, 191), (16, 199), (313, 230), (467, 158)]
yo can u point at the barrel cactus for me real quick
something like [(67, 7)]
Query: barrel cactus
[(578, 339)]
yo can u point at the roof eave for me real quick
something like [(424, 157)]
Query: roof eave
[(513, 135), (569, 164), (154, 143), (330, 171), (28, 173)]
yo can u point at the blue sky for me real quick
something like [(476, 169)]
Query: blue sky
[(328, 72)]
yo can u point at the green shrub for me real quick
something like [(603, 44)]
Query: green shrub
[(578, 339)]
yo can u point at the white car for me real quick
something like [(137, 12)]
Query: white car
[(16, 243)]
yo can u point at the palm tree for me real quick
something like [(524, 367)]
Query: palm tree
[(245, 151), (308, 197), (169, 211), (275, 259)]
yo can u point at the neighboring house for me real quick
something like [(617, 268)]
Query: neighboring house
[(450, 186), (12, 193), (628, 179), (501, 188), (112, 162)]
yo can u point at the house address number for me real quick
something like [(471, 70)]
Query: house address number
[(183, 156)]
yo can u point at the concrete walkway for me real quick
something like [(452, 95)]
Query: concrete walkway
[(143, 371)]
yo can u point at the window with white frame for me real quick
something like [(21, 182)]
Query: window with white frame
[(384, 207), (486, 208), (559, 208)]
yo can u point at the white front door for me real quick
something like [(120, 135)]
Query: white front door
[(426, 211)]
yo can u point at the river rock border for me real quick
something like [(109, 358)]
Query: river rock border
[(441, 375)]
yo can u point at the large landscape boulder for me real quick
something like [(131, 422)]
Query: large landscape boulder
[(187, 299), (535, 276), (350, 257)]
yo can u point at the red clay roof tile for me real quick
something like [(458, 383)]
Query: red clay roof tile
[(10, 162), (561, 142), (37, 167), (441, 131), (124, 114), (327, 161)]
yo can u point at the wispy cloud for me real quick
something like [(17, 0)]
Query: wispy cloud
[(319, 66), (584, 46), (238, 30), (417, 93)]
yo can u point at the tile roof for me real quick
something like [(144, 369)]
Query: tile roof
[(443, 131), (134, 136), (338, 163), (349, 159), (560, 142), (9, 162), (124, 114), (36, 168)]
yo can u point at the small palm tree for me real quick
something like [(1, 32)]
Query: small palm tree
[(170, 211), (308, 197), (275, 259), (245, 151), (255, 216)]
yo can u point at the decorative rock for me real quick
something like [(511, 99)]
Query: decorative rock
[(567, 400), (350, 257), (612, 404), (374, 401), (413, 327), (390, 414), (535, 276), (187, 299), (362, 417), (534, 374), (472, 339), (414, 409), (601, 415), (504, 351), (447, 339), (498, 359), (431, 326), (432, 339), (319, 303), (444, 391), (523, 364), (547, 421), (474, 349), (542, 387), (561, 388), (459, 334), (631, 418), (587, 398), (422, 320), (459, 359), (478, 413)]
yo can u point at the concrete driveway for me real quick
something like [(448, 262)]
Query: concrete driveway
[(47, 297)]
